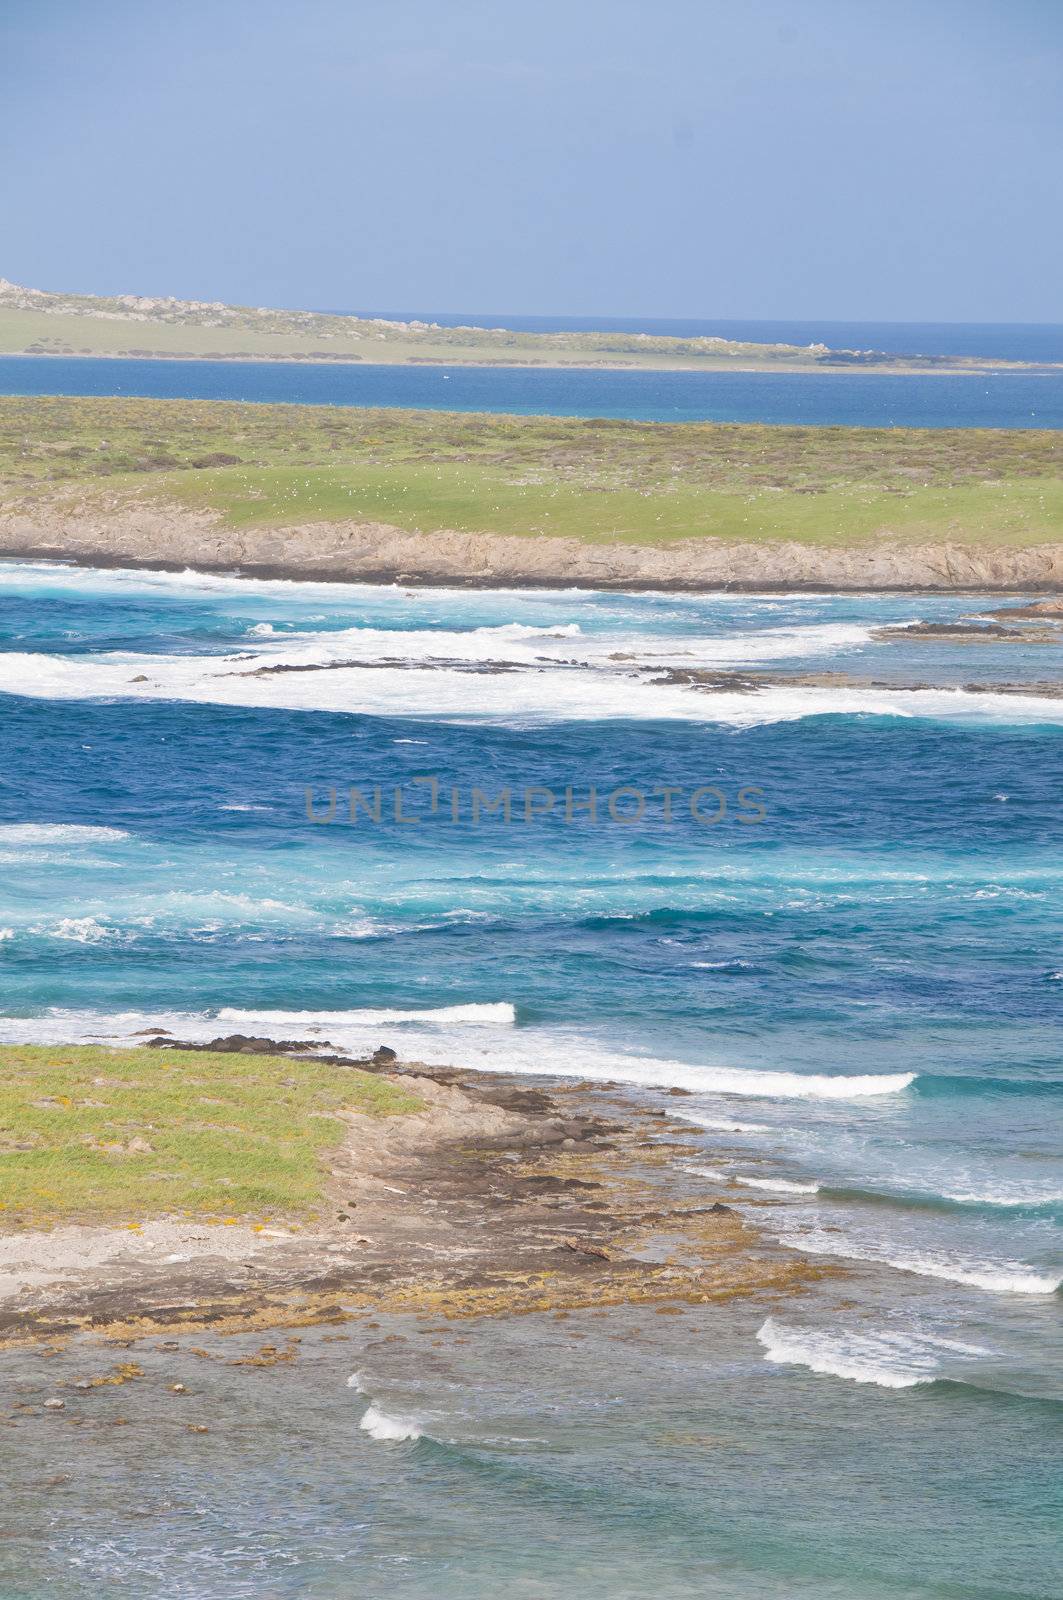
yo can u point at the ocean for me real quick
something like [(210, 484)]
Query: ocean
[(842, 934), (816, 399)]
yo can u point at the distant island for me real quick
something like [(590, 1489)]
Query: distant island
[(40, 322)]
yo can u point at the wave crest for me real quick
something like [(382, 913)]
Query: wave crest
[(889, 1360), (996, 1277), (500, 1013), (387, 1429)]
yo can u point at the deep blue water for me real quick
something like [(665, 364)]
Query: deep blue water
[(858, 399), (863, 990)]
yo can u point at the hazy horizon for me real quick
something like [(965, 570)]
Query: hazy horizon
[(691, 160), (608, 319)]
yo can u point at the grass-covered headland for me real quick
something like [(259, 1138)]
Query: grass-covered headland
[(89, 1134), (42, 322), (598, 480)]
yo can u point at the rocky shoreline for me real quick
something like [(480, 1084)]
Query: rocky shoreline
[(170, 538), (497, 1197)]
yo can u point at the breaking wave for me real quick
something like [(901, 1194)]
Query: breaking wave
[(1002, 1277), (387, 1429), (500, 1013), (890, 1360), (80, 930), (782, 1185), (479, 1036), (444, 676), (524, 630)]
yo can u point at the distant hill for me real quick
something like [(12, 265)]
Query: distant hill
[(42, 322)]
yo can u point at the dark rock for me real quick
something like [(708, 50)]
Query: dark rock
[(720, 1210), (579, 1130), (243, 1044), (237, 1044), (382, 1054), (585, 1248), (970, 631), (549, 1184), (514, 1099), (1038, 608)]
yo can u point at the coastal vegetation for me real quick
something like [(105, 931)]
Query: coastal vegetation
[(91, 1134), (596, 479)]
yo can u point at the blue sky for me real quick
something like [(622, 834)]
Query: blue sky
[(876, 159)]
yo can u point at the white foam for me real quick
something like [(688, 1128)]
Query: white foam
[(478, 1036), (80, 930), (748, 1081), (193, 582), (43, 572), (524, 630), (349, 1030), (533, 694), (190, 583), (13, 834), (607, 652), (1001, 1277), (320, 1021), (1013, 1198), (369, 928), (890, 1360), (719, 1125), (392, 1430), (782, 1185)]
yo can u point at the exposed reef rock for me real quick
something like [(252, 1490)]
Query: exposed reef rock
[(970, 631), (496, 1196)]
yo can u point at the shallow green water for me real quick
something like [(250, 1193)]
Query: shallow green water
[(608, 1457)]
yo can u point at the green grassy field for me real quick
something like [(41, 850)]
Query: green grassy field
[(595, 479), (93, 1134)]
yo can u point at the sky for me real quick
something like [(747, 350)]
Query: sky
[(848, 159)]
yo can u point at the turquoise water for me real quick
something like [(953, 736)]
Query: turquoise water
[(861, 986), (857, 399)]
